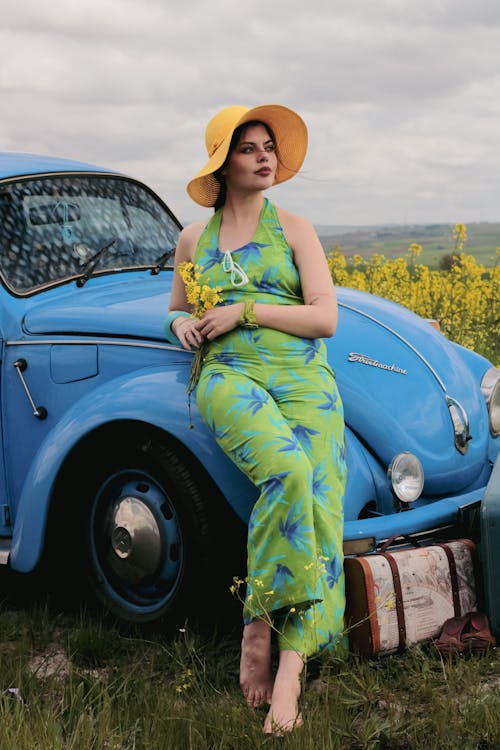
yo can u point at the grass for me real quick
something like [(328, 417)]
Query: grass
[(83, 684)]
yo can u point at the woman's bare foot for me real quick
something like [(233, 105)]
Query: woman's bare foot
[(284, 713), (255, 663)]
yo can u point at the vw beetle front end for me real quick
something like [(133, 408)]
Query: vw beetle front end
[(413, 401)]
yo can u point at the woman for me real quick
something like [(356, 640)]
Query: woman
[(268, 393)]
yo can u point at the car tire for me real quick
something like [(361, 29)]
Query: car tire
[(146, 535)]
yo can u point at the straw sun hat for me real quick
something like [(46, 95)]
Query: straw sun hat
[(291, 143)]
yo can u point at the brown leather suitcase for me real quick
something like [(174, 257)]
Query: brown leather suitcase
[(396, 598)]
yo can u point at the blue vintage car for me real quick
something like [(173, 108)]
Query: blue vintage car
[(98, 464)]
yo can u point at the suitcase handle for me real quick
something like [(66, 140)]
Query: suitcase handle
[(388, 542)]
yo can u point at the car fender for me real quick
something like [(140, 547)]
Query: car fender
[(129, 397), (366, 482)]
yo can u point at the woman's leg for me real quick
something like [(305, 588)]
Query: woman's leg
[(284, 715), (295, 455), (315, 414), (281, 542), (255, 664)]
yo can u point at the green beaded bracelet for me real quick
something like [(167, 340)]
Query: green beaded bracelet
[(247, 318)]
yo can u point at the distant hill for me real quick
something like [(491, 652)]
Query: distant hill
[(393, 240)]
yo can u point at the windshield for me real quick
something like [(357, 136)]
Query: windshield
[(51, 226)]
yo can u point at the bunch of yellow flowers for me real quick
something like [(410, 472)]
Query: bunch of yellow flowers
[(202, 296)]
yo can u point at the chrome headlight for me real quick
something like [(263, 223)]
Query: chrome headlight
[(490, 387), (407, 476)]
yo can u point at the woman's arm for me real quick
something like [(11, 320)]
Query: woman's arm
[(185, 328), (184, 252), (316, 318)]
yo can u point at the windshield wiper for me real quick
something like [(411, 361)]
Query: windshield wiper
[(161, 261), (90, 265)]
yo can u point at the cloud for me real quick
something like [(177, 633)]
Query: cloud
[(401, 98)]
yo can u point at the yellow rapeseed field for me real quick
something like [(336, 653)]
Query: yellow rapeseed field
[(464, 299)]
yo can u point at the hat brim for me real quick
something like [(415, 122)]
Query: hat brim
[(290, 132)]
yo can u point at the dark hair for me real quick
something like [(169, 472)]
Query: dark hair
[(221, 197)]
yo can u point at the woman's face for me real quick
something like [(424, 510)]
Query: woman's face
[(252, 163)]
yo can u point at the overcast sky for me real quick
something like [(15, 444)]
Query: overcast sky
[(401, 97)]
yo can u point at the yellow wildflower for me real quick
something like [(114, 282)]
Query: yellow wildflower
[(209, 296), (201, 297), (390, 603), (460, 237), (415, 249)]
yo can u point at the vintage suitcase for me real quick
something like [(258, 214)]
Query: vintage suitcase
[(396, 598), (490, 548)]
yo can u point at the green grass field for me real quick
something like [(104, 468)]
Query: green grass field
[(72, 682), (393, 241)]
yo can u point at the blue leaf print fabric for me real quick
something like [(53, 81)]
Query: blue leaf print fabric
[(271, 400)]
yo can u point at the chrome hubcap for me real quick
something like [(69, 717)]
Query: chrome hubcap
[(136, 540), (136, 544)]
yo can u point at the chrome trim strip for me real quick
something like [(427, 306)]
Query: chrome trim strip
[(401, 338), (107, 342), (63, 173)]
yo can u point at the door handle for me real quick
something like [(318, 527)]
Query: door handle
[(40, 412)]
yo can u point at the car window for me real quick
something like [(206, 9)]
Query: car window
[(51, 226)]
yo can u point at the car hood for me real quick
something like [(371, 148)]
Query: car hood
[(135, 307), (395, 373), (394, 370)]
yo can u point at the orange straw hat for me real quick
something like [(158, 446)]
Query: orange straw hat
[(288, 128)]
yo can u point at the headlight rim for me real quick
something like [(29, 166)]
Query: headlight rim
[(392, 469), (490, 388)]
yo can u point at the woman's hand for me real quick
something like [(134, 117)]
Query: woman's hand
[(220, 320), (188, 333)]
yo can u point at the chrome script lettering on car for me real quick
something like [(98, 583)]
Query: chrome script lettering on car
[(364, 359)]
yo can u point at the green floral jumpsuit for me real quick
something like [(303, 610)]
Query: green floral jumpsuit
[(271, 401)]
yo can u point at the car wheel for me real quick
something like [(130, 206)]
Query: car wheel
[(146, 532)]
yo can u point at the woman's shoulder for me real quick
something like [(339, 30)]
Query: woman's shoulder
[(189, 238), (294, 227), (193, 231)]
